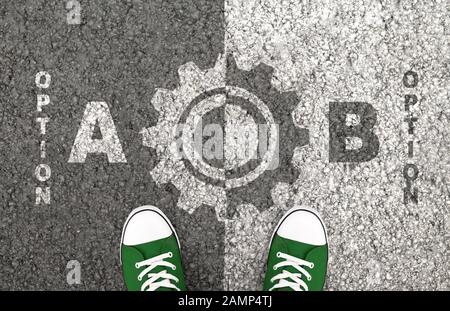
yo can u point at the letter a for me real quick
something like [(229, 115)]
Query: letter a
[(97, 113)]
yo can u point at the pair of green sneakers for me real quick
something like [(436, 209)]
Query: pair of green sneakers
[(151, 255)]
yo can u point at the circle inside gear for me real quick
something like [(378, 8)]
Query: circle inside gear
[(228, 177), (175, 106)]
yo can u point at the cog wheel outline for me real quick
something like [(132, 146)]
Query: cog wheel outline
[(171, 104)]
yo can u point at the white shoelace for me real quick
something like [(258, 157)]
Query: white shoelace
[(296, 282), (151, 283)]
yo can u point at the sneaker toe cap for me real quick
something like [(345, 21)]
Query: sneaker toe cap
[(145, 226), (303, 226)]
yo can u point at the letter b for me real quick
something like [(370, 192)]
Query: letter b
[(340, 131)]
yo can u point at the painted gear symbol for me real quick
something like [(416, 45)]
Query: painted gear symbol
[(237, 180)]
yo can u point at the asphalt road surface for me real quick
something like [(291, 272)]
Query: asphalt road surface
[(299, 56)]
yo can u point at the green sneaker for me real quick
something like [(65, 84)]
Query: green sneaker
[(150, 252), (298, 253)]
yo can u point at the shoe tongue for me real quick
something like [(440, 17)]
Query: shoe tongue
[(141, 252), (299, 250), (152, 249)]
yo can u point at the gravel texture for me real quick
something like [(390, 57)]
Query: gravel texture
[(124, 50)]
